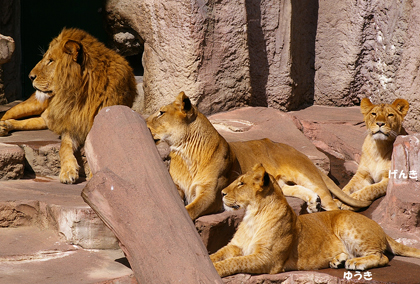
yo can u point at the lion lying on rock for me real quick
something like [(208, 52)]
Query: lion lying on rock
[(76, 77), (203, 163), (272, 239)]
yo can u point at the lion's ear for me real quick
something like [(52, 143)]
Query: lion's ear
[(401, 106), (366, 106), (184, 103), (261, 177), (74, 49)]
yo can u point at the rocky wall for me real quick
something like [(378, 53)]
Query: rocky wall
[(368, 49)]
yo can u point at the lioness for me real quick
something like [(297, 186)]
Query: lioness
[(76, 77), (203, 163), (272, 239), (384, 124)]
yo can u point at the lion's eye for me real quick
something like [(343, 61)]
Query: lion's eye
[(373, 113), (390, 115), (240, 183), (50, 61), (160, 113)]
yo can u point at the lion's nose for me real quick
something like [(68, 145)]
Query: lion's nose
[(32, 76), (380, 124)]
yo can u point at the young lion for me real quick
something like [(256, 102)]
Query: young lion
[(76, 77), (272, 239), (384, 123), (203, 163)]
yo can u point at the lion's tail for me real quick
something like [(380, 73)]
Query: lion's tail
[(334, 189), (401, 249)]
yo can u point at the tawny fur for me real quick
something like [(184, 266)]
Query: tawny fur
[(76, 77), (203, 163), (384, 124), (272, 239)]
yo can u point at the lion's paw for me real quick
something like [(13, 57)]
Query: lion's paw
[(338, 260), (314, 204), (4, 128), (69, 174), (355, 264), (346, 207), (338, 202)]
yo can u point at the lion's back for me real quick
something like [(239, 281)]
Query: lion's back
[(271, 154)]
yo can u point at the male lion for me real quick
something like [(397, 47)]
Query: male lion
[(203, 163), (272, 239), (384, 123), (76, 77)]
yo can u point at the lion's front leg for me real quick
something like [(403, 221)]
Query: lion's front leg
[(225, 252), (69, 172), (250, 264), (205, 202), (369, 193), (36, 123), (27, 108)]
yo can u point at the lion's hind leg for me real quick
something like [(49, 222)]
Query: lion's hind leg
[(312, 199), (377, 259)]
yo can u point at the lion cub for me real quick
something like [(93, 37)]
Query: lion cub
[(384, 124), (272, 239)]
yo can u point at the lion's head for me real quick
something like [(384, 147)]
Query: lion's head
[(248, 189), (170, 123), (80, 75), (384, 121), (63, 58)]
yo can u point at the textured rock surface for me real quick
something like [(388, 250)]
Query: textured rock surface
[(290, 54), (281, 40), (10, 26), (133, 193), (49, 205), (7, 47), (368, 48), (401, 206), (32, 255), (201, 50), (12, 161), (339, 132)]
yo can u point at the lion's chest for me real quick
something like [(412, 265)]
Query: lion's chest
[(182, 177), (250, 234), (377, 167)]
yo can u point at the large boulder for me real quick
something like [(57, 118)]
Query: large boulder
[(12, 161), (399, 210), (199, 48), (133, 193), (368, 48), (7, 47), (281, 54)]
